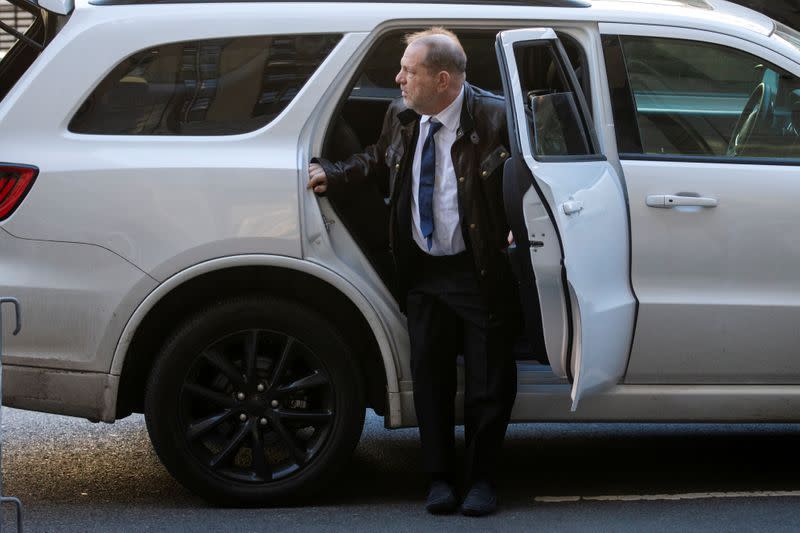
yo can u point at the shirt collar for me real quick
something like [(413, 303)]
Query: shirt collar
[(450, 116)]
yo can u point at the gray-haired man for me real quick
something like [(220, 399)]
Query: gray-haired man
[(442, 150)]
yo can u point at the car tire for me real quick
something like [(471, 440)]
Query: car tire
[(254, 373)]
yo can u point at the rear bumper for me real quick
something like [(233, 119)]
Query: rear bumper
[(89, 395)]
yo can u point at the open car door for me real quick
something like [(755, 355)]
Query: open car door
[(568, 213)]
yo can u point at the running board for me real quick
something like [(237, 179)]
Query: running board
[(543, 397)]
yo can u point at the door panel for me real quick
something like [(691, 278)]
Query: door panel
[(717, 283), (546, 250), (573, 214), (719, 294)]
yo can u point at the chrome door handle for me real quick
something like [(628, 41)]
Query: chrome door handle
[(668, 201)]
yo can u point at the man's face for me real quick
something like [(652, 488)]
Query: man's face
[(417, 83)]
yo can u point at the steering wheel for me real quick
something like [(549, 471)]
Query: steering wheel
[(757, 112)]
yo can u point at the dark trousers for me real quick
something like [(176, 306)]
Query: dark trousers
[(448, 316)]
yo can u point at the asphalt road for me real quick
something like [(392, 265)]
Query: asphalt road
[(73, 475)]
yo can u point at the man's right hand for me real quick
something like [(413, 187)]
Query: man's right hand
[(317, 180)]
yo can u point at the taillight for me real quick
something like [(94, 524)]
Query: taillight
[(15, 182)]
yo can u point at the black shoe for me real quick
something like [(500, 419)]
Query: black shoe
[(481, 500), (441, 498)]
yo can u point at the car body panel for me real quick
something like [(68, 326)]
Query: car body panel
[(89, 395), (540, 398), (719, 301), (75, 299), (376, 322)]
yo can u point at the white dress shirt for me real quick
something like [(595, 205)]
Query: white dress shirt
[(447, 237)]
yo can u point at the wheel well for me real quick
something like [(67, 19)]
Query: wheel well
[(204, 289)]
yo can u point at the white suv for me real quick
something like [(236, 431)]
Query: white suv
[(155, 226)]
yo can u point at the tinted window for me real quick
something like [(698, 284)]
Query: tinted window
[(702, 99), (555, 123), (212, 87)]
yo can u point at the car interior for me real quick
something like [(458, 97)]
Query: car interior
[(359, 118), (685, 107)]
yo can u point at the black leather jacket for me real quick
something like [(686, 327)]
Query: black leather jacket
[(478, 154)]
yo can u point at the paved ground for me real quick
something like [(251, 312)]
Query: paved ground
[(73, 475)]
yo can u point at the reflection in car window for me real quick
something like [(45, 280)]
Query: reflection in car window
[(554, 131), (555, 123), (211, 87), (703, 99)]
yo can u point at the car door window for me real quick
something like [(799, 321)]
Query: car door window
[(551, 103), (689, 98)]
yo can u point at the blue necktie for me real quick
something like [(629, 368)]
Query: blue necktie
[(427, 177)]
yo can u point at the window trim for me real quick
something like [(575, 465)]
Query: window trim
[(581, 102), (773, 161), (570, 158)]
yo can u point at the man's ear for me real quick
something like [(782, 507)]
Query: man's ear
[(443, 80)]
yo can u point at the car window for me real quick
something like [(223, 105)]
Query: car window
[(211, 87), (555, 123), (701, 99)]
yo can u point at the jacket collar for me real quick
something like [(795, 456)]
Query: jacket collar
[(467, 123), (407, 116), (467, 127)]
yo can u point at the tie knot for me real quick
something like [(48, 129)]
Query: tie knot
[(434, 127)]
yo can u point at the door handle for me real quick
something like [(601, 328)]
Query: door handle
[(668, 201)]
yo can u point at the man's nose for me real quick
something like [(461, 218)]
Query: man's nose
[(399, 78)]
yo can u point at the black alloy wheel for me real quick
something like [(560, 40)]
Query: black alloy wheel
[(257, 406), (254, 401)]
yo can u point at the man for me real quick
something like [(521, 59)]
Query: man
[(442, 150)]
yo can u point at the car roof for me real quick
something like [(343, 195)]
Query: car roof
[(701, 12), (713, 15)]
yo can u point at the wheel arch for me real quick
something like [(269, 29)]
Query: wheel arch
[(311, 284)]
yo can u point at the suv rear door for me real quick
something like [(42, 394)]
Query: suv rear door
[(568, 214)]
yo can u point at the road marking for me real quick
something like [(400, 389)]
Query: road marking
[(657, 497)]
